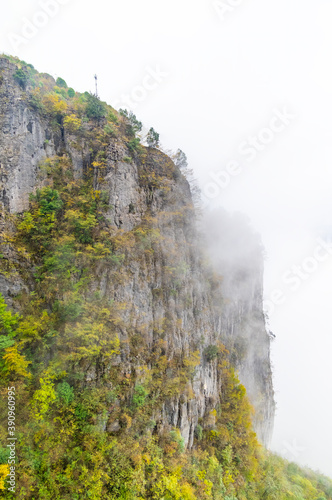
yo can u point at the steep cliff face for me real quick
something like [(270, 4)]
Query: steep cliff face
[(237, 253), (171, 297), (26, 139)]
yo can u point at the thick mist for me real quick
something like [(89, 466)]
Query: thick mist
[(234, 251)]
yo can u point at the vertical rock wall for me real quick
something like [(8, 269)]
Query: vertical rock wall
[(166, 290)]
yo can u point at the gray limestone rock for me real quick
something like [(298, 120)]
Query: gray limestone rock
[(166, 287)]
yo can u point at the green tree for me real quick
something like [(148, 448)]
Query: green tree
[(152, 138), (211, 352), (134, 144), (65, 392), (134, 125), (61, 83), (94, 107), (180, 160), (139, 396)]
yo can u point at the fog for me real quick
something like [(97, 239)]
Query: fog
[(245, 89)]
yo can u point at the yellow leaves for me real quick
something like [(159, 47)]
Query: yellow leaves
[(171, 485), (227, 478), (58, 168), (4, 471), (224, 435), (306, 485), (66, 427), (95, 333), (213, 435), (99, 164), (192, 360), (187, 493), (33, 328), (153, 180), (201, 474), (72, 124), (162, 364), (15, 363), (54, 104), (96, 253), (137, 459), (126, 421), (123, 240), (222, 349), (27, 224), (96, 194), (146, 458), (92, 481), (78, 218), (206, 483), (43, 397)]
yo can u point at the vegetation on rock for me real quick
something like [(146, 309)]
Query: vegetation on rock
[(90, 398)]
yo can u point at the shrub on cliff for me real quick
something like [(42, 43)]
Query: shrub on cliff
[(94, 107), (21, 78)]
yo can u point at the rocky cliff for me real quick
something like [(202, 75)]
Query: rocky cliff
[(170, 298), (236, 252)]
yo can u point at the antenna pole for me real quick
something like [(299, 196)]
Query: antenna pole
[(96, 79)]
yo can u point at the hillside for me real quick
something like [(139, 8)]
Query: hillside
[(141, 363)]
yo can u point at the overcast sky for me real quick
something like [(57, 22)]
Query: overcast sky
[(245, 89)]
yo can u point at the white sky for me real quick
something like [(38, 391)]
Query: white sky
[(225, 79)]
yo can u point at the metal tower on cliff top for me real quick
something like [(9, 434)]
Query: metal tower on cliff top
[(96, 79)]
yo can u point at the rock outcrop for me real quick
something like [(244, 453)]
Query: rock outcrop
[(170, 292)]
